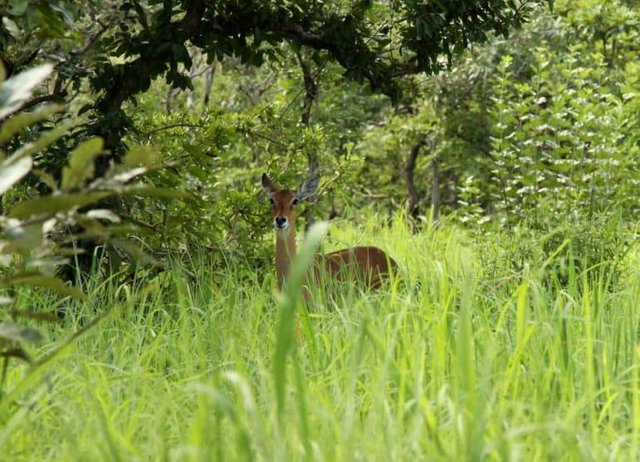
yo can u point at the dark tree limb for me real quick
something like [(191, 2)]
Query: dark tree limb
[(93, 38), (413, 199), (137, 75), (227, 28), (42, 99), (208, 84), (435, 188), (412, 193), (310, 93), (310, 89)]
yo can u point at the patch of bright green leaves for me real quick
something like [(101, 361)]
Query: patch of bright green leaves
[(37, 233)]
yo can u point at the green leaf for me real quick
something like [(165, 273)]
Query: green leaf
[(81, 163), (15, 91), (23, 237), (17, 333), (16, 123), (104, 214), (47, 179), (18, 7), (123, 177), (50, 22), (54, 204), (46, 138), (143, 156), (11, 27), (35, 315), (12, 170), (48, 282), (287, 316)]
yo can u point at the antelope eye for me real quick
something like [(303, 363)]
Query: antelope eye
[(294, 201), (271, 201)]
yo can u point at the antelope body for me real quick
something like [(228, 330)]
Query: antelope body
[(368, 265)]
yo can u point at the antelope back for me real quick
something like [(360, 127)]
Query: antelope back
[(369, 265)]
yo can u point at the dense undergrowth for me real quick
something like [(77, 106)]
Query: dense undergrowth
[(479, 361)]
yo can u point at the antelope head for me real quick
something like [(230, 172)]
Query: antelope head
[(284, 201)]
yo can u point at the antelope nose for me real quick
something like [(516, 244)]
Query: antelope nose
[(280, 221)]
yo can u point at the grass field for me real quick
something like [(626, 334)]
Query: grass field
[(487, 358)]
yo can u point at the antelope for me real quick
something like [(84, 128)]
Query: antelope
[(368, 265)]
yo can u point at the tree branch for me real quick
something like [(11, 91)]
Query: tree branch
[(93, 38), (209, 26), (409, 170), (310, 89), (137, 75)]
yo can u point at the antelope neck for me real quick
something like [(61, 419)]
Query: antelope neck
[(285, 253)]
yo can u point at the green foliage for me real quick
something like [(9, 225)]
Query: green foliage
[(564, 147), (567, 135), (538, 128), (288, 316), (482, 362), (113, 51), (530, 137), (219, 155), (129, 44), (37, 233), (17, 89)]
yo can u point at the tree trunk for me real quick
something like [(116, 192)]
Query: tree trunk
[(310, 94), (208, 83), (412, 193), (413, 199), (435, 188)]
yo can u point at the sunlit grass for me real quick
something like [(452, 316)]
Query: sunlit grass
[(479, 361)]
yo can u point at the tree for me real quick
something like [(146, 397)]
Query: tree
[(110, 52), (127, 44)]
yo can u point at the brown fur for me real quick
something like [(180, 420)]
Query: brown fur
[(370, 266)]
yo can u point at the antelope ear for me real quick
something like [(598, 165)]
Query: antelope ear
[(267, 184), (307, 188)]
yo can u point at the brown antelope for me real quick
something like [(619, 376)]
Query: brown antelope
[(370, 265)]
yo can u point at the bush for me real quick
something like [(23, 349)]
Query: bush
[(39, 232)]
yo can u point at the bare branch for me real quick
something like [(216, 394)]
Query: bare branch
[(171, 126), (409, 170), (93, 38)]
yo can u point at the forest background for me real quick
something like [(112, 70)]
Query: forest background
[(491, 144)]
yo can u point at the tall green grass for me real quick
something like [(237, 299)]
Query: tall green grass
[(466, 356)]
